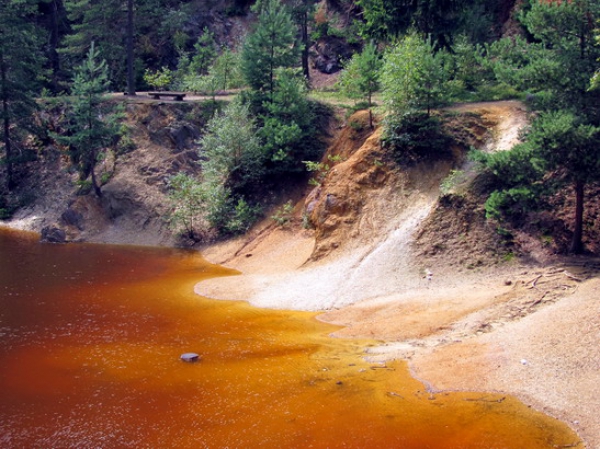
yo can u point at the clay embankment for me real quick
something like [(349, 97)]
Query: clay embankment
[(530, 331), (134, 204)]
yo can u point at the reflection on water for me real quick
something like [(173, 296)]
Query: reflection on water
[(90, 339)]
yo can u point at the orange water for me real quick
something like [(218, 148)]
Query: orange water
[(90, 339)]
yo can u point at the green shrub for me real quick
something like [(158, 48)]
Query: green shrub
[(415, 137), (240, 217), (159, 79), (454, 178), (511, 203), (283, 215), (187, 199), (85, 186), (105, 177)]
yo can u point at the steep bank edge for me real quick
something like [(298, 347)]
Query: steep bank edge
[(491, 329), (134, 205)]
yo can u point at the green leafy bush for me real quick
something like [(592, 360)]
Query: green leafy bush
[(511, 203), (518, 166), (159, 79), (187, 198), (229, 215), (283, 215)]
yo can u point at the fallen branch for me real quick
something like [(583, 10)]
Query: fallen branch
[(485, 400), (537, 301), (533, 282), (570, 276), (383, 367)]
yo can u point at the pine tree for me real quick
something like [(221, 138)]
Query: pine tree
[(435, 19), (226, 69), (113, 26), (414, 76), (130, 38), (20, 69), (233, 164), (269, 47), (302, 11), (360, 77), (53, 19), (102, 22), (92, 126), (205, 53), (187, 200), (287, 123), (556, 65), (572, 148)]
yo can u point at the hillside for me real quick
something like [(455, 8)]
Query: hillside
[(134, 206), (480, 323)]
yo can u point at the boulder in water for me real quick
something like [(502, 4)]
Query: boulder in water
[(53, 235), (190, 357)]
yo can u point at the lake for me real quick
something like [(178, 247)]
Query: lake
[(90, 345)]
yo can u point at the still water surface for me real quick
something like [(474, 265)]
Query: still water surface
[(90, 339)]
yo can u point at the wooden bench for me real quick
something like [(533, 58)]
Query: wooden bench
[(177, 96)]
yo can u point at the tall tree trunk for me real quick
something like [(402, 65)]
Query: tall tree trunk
[(54, 41), (93, 158), (97, 189), (130, 32), (370, 110), (10, 183), (305, 43), (577, 243)]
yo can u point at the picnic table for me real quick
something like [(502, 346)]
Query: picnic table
[(178, 96)]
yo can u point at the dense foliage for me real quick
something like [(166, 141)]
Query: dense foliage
[(418, 55), (416, 137), (233, 163), (555, 66), (440, 20), (414, 76), (20, 78)]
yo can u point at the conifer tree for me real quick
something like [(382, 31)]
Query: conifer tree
[(572, 148), (557, 64), (287, 124), (414, 76), (102, 22), (556, 67), (269, 47), (111, 25), (360, 78), (205, 53), (92, 125), (20, 69), (226, 69), (435, 19), (302, 11), (130, 47), (187, 200), (233, 164)]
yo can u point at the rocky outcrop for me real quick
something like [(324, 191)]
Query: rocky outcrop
[(330, 52), (134, 205), (53, 235)]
